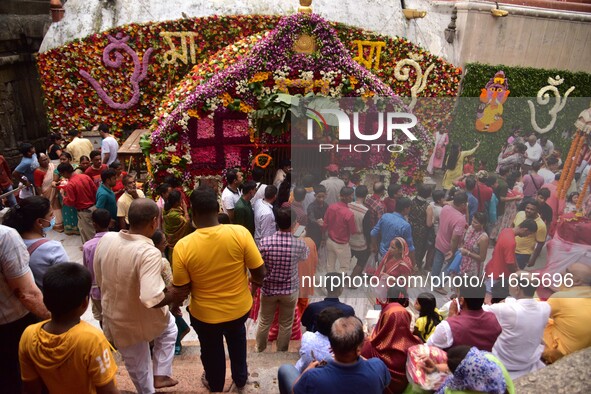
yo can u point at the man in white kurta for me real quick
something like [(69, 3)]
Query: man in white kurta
[(523, 320), (128, 270)]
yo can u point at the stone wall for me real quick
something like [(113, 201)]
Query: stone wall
[(527, 37), (22, 116), (85, 17), (568, 375)]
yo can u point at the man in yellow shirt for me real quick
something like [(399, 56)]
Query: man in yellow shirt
[(64, 354), (79, 146), (214, 261), (569, 328), (528, 248)]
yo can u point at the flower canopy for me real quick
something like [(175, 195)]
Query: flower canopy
[(184, 132)]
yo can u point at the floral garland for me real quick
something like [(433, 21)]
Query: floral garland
[(221, 43), (266, 157), (270, 67)]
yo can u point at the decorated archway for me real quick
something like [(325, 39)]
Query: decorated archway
[(208, 125), (134, 76), (209, 121)]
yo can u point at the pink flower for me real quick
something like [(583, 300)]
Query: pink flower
[(233, 155), (235, 128), (205, 128), (203, 155)]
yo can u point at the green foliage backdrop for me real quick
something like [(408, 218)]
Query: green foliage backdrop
[(524, 84)]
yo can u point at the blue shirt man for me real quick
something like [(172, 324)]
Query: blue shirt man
[(348, 373), (28, 163), (472, 206), (105, 198), (392, 225)]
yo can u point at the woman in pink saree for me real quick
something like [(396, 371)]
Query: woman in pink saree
[(436, 159)]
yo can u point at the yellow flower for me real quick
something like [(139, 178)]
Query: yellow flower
[(282, 86), (245, 107), (353, 80), (193, 113), (258, 77), (226, 99), (149, 165), (175, 160)]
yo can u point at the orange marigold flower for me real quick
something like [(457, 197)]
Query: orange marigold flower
[(261, 76), (245, 107)]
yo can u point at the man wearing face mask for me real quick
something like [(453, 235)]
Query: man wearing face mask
[(131, 193), (33, 218)]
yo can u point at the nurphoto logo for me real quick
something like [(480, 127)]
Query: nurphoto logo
[(357, 131)]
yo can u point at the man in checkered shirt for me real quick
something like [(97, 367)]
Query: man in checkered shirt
[(374, 203), (281, 252)]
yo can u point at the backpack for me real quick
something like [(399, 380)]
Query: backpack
[(36, 245)]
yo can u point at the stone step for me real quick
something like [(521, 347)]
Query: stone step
[(187, 369)]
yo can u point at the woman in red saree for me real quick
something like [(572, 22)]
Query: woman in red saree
[(395, 263), (391, 338)]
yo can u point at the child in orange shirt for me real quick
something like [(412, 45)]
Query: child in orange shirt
[(65, 354)]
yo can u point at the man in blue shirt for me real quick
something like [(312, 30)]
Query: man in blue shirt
[(472, 200), (27, 165), (334, 288), (348, 373), (392, 225), (105, 197)]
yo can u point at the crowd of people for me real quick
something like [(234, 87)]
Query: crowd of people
[(242, 253)]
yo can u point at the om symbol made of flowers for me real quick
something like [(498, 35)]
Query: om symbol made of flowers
[(402, 73), (544, 98), (140, 70)]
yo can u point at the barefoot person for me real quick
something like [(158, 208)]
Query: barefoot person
[(128, 271), (220, 297)]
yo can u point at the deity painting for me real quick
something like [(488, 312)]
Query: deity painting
[(489, 118)]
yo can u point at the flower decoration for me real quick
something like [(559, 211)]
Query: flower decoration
[(266, 160), (271, 66), (221, 43)]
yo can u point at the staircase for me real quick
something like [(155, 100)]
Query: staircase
[(187, 369)]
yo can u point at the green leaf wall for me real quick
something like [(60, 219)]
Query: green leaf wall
[(524, 83)]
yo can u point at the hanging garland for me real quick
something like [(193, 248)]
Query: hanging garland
[(265, 163)]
